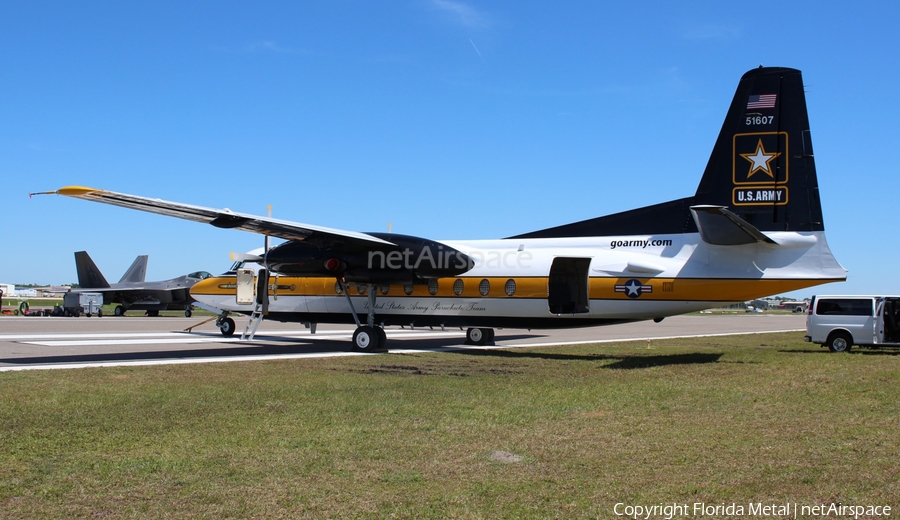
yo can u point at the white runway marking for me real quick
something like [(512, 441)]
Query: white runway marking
[(301, 332), (177, 361), (170, 338)]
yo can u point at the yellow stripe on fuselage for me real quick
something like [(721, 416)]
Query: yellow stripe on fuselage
[(600, 288)]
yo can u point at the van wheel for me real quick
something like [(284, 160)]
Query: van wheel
[(840, 342)]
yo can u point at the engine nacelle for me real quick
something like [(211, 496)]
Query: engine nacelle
[(410, 260)]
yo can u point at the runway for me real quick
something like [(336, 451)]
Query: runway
[(29, 343)]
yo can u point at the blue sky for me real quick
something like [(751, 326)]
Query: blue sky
[(448, 119)]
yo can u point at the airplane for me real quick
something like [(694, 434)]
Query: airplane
[(753, 228), (133, 292)]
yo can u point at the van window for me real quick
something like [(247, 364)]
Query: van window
[(844, 307)]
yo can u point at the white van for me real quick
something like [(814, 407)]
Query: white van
[(839, 322)]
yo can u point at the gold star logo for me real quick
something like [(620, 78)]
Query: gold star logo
[(760, 160)]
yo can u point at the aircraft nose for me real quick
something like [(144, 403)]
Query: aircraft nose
[(211, 285)]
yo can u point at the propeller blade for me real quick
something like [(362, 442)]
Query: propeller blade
[(246, 257)]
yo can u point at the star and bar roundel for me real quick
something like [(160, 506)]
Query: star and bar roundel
[(633, 288), (760, 169)]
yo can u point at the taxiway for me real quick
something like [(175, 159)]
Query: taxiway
[(28, 343)]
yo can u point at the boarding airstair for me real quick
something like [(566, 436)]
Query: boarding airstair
[(260, 305)]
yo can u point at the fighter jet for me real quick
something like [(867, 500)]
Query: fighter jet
[(133, 292)]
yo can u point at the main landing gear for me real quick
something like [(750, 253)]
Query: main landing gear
[(479, 336), (372, 338), (368, 337)]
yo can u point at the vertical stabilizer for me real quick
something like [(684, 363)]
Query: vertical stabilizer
[(137, 272), (761, 175), (89, 276), (762, 166)]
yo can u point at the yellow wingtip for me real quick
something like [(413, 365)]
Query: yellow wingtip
[(76, 191)]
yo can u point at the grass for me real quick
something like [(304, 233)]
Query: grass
[(524, 433)]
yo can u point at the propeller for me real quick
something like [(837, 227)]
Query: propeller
[(246, 257)]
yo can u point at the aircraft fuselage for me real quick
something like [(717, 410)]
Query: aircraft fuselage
[(558, 283)]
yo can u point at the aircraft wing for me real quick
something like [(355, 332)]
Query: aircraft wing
[(112, 289), (222, 218)]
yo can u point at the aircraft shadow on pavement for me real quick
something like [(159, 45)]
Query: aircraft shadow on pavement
[(622, 362), (262, 346)]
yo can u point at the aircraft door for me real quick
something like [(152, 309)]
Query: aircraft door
[(262, 289), (568, 285), (244, 291)]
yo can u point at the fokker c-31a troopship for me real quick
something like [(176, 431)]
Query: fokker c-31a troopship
[(753, 228)]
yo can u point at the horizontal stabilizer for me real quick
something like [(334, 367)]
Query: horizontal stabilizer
[(722, 227)]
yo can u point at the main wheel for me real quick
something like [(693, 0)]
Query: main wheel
[(187, 312), (119, 310), (366, 339), (476, 336), (226, 327), (840, 342)]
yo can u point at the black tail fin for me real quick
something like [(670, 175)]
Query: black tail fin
[(89, 276), (760, 177), (137, 272), (762, 166)]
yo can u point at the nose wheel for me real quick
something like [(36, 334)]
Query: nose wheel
[(226, 326)]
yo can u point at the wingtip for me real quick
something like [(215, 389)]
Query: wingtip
[(76, 191), (69, 191), (32, 194)]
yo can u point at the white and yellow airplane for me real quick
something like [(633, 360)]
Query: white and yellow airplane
[(753, 228)]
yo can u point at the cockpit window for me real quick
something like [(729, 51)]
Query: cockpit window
[(200, 275)]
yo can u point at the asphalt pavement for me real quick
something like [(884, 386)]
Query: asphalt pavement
[(51, 342)]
